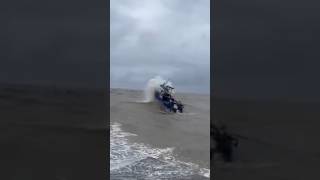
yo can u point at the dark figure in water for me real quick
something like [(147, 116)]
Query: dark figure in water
[(224, 143)]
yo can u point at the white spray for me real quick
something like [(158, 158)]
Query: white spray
[(153, 85)]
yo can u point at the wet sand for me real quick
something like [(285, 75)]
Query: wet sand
[(52, 133), (188, 133)]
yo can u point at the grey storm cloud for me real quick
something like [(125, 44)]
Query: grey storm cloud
[(170, 38)]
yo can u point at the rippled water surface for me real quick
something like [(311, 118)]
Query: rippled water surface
[(129, 160)]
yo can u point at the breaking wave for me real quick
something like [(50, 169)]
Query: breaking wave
[(140, 161)]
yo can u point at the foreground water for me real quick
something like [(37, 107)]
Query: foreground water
[(130, 160)]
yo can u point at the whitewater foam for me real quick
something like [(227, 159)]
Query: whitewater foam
[(137, 159)]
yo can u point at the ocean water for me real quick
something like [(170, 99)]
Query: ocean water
[(130, 160)]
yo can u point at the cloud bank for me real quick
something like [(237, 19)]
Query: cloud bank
[(169, 38)]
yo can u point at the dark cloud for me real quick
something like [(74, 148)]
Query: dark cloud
[(161, 37)]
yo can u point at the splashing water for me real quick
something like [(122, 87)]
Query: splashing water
[(153, 85)]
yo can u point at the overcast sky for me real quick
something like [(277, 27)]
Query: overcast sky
[(170, 38)]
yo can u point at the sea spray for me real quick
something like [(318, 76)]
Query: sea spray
[(153, 85)]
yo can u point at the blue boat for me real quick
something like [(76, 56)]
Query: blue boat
[(164, 96)]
